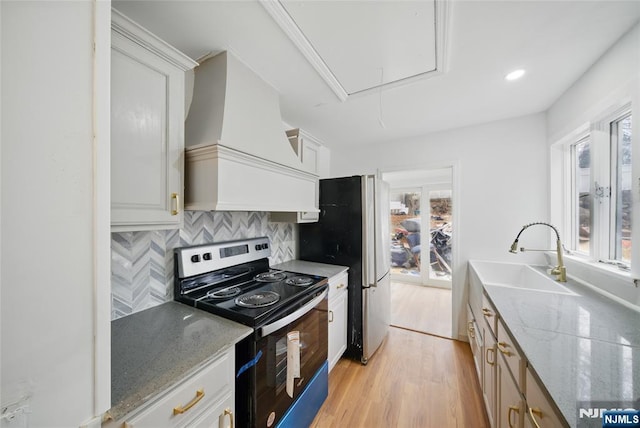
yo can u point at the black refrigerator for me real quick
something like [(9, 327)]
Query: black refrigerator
[(353, 231)]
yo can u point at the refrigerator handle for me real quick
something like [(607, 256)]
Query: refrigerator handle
[(368, 232)]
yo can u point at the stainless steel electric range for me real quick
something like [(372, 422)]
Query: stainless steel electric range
[(281, 369)]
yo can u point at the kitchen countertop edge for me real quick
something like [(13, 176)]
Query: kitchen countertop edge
[(311, 268), (144, 367)]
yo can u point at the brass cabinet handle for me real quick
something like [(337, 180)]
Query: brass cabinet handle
[(501, 346), (175, 197), (330, 316), (486, 356), (487, 312), (228, 412), (180, 409), (533, 418), (340, 286), (512, 409)]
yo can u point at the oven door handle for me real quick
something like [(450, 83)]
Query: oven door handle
[(277, 325)]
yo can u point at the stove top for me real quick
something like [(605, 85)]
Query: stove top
[(250, 292)]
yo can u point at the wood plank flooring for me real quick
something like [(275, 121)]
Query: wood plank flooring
[(419, 308), (413, 381)]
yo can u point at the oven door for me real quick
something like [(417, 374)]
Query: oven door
[(293, 348)]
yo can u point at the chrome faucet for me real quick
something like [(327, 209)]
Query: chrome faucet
[(560, 271)]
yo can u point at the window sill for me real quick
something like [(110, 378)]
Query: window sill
[(607, 280)]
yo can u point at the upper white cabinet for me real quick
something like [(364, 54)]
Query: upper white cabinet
[(147, 128), (314, 156)]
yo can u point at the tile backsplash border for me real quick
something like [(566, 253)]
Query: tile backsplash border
[(142, 262)]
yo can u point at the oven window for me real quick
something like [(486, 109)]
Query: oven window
[(272, 397)]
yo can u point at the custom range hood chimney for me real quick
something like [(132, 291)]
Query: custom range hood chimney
[(238, 157)]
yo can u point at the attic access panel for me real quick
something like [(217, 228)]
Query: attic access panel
[(366, 44)]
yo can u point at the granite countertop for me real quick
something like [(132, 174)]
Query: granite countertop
[(154, 349), (583, 347), (311, 268)]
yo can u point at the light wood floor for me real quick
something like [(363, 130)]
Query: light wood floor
[(419, 308), (413, 381)]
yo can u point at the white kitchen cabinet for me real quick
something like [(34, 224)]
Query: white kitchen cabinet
[(147, 128), (338, 299), (475, 341), (204, 399), (509, 403), (490, 372), (540, 411), (310, 150)]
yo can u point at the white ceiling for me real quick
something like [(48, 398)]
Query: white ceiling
[(370, 43), (555, 41)]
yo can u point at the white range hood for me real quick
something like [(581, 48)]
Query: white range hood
[(238, 157)]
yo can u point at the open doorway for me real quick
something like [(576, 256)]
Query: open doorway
[(421, 208)]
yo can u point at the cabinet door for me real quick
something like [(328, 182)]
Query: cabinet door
[(509, 406), (310, 156), (539, 408), (219, 415), (489, 370), (475, 342), (337, 327), (147, 137)]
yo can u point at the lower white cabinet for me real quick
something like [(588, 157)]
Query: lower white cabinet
[(490, 373), (204, 399), (475, 341), (338, 299), (540, 412), (509, 405)]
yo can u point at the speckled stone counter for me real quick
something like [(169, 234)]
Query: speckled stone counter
[(311, 268), (583, 346), (154, 349)]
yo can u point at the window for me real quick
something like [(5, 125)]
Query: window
[(599, 209), (581, 196), (620, 248)]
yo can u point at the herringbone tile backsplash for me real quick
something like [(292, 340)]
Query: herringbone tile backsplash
[(142, 262)]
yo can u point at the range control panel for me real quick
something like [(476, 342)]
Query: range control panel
[(205, 258)]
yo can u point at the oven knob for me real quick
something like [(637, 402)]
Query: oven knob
[(258, 247), (195, 258), (265, 246), (206, 256)]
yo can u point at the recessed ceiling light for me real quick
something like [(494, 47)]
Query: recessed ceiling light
[(514, 75)]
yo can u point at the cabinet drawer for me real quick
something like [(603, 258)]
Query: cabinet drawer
[(220, 415), (475, 342), (539, 408), (511, 355), (489, 314), (338, 283), (192, 397)]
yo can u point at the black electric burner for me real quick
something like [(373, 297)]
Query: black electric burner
[(231, 292)]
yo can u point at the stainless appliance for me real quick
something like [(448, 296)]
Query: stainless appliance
[(353, 230), (281, 369)]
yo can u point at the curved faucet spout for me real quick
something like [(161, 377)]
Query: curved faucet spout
[(560, 270)]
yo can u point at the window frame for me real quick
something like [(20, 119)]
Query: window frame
[(599, 134)]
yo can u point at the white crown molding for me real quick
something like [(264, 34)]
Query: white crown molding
[(288, 25), (143, 37), (284, 20)]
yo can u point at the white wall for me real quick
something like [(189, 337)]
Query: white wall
[(501, 176), (609, 82), (47, 210)]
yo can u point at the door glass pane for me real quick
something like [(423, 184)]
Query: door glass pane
[(621, 134), (405, 228), (581, 166), (441, 229)]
